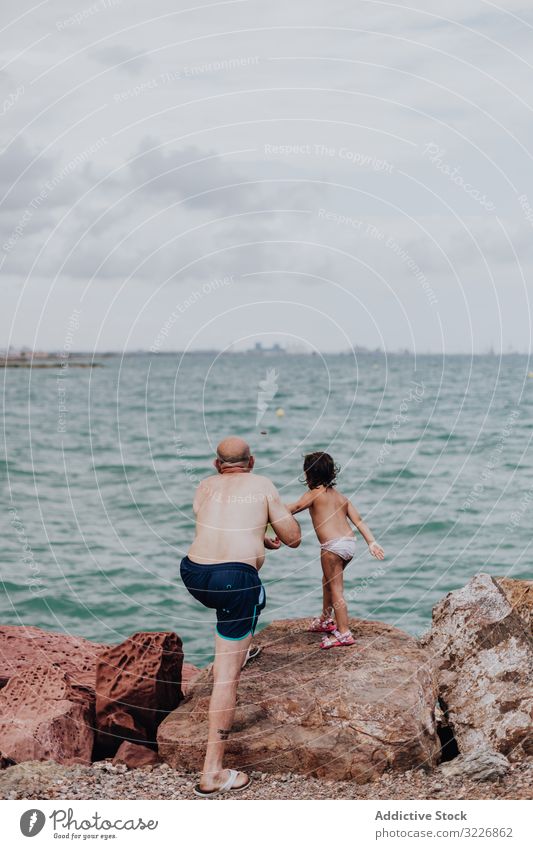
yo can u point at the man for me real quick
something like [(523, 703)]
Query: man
[(232, 511)]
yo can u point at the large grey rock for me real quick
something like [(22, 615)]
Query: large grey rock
[(342, 713), (482, 651), (481, 765), (519, 594)]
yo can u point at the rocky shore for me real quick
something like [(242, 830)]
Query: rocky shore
[(102, 780), (448, 716)]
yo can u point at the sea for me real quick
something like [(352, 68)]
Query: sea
[(99, 467)]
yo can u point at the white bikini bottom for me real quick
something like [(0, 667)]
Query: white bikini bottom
[(344, 547)]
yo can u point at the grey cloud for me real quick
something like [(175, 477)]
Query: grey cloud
[(157, 136), (132, 62), (199, 177)]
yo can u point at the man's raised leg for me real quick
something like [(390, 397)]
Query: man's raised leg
[(229, 658)]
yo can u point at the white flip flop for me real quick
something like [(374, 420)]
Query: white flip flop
[(226, 787), (251, 654)]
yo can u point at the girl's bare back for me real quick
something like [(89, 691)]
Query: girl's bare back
[(329, 514)]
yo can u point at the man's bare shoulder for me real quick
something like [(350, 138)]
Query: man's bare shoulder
[(262, 483), (208, 481), (206, 486), (261, 480)]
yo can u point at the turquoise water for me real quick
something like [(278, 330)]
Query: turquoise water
[(97, 499)]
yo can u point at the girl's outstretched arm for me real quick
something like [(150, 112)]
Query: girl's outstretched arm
[(355, 518), (304, 502)]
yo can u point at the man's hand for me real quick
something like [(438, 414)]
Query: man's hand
[(376, 550), (272, 544)]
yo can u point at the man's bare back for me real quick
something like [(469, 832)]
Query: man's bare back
[(232, 511)]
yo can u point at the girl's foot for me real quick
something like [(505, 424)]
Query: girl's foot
[(322, 626), (337, 639)]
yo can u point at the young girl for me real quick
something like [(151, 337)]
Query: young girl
[(330, 512)]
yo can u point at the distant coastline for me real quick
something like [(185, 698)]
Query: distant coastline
[(85, 359), (15, 362)]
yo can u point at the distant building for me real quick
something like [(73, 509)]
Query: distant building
[(276, 348)]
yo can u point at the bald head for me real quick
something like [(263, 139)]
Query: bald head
[(233, 452)]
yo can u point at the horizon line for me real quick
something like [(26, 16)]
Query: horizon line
[(42, 352)]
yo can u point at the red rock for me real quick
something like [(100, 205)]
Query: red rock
[(343, 713), (25, 647), (137, 685), (188, 675), (45, 715), (135, 755)]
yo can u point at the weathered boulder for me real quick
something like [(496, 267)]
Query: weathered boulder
[(483, 655), (137, 685), (25, 647), (343, 713), (519, 594), (46, 715), (135, 755), (31, 780), (188, 675), (482, 765)]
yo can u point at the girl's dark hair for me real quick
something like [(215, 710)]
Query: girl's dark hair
[(320, 469)]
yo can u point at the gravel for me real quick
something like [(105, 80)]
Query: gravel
[(102, 780)]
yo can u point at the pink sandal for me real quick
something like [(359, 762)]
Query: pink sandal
[(337, 639), (322, 626)]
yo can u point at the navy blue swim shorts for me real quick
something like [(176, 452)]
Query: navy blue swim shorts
[(234, 590)]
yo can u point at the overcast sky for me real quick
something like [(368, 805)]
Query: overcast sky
[(318, 173)]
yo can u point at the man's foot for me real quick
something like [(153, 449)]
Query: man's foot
[(222, 782), (322, 626), (337, 639)]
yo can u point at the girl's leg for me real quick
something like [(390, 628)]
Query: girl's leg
[(327, 603), (333, 568)]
